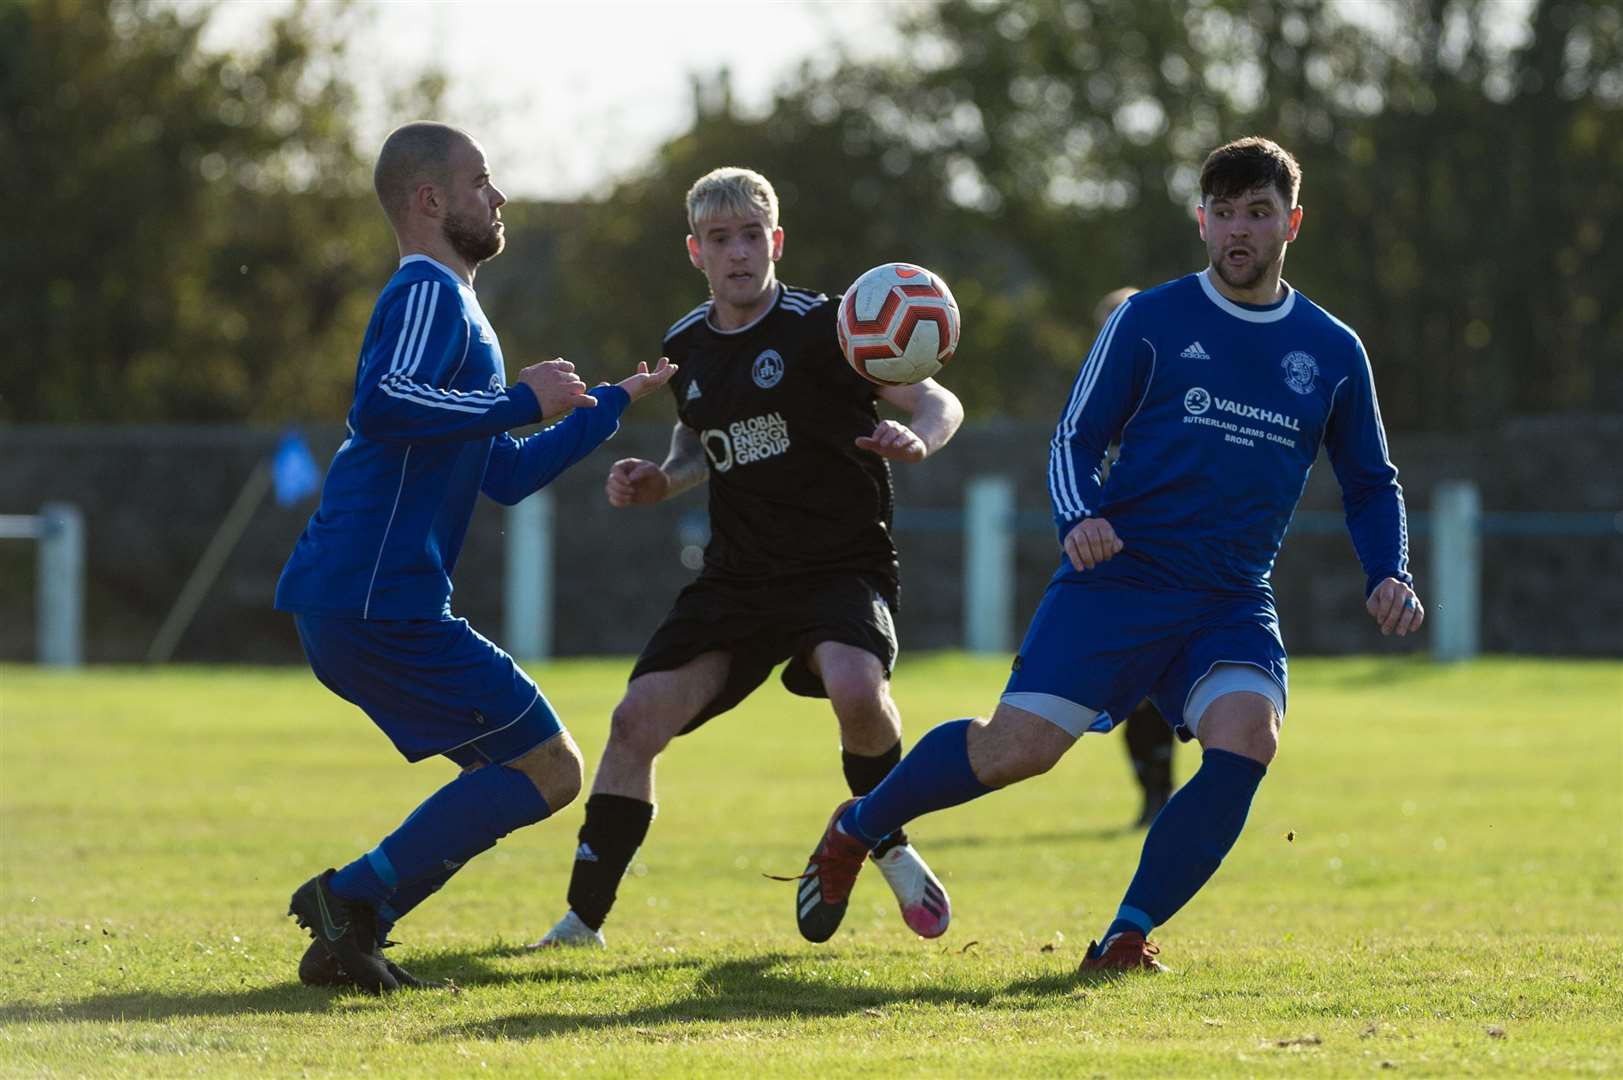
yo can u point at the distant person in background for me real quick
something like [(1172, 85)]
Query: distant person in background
[(800, 565), (369, 582), (1222, 387), (1148, 737)]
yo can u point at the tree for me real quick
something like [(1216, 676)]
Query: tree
[(601, 282), (198, 240), (1460, 168), (194, 221)]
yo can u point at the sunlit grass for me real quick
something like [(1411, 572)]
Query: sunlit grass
[(1431, 881)]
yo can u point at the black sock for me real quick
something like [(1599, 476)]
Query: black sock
[(615, 828), (1149, 744), (863, 774)]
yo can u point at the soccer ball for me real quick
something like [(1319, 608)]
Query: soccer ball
[(898, 324)]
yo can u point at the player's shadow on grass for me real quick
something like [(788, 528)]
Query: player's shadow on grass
[(128, 1005), (463, 967), (763, 987)]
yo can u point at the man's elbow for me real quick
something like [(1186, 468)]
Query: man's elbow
[(945, 401), (372, 422), (503, 494), (1377, 485)]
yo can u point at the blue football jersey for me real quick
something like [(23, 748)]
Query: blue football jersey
[(1221, 409), (427, 433)]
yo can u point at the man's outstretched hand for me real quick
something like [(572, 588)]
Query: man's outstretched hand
[(898, 442), (645, 382)]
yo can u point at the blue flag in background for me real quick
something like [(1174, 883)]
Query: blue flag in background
[(293, 469)]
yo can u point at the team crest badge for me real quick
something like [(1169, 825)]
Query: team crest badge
[(1300, 371), (768, 369)]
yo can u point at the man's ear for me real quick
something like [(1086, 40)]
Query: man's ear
[(1295, 224), (693, 252), (1200, 216), (426, 199), (777, 243)]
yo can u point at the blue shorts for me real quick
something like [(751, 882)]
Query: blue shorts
[(432, 686), (1104, 647)]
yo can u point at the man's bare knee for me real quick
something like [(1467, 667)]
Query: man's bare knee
[(639, 729), (555, 768), (1241, 723), (657, 706), (856, 693), (869, 722), (1015, 745), (859, 692)]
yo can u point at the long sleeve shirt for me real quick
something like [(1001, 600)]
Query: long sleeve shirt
[(428, 431), (1221, 409)]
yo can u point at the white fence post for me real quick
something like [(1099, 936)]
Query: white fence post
[(528, 579), (61, 585), (1455, 603), (989, 564)]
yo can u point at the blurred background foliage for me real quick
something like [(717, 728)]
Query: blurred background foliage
[(192, 235)]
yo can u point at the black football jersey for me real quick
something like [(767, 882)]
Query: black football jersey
[(778, 411)]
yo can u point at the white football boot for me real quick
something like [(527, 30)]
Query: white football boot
[(571, 933), (925, 907)]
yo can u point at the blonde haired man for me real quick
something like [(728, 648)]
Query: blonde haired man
[(731, 193), (800, 564)]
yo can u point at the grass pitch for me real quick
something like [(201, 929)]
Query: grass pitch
[(1431, 882)]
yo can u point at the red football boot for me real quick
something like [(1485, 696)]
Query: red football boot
[(825, 887), (1126, 951)]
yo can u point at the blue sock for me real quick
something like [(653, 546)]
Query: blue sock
[(409, 896), (933, 776), (1188, 840), (457, 822)]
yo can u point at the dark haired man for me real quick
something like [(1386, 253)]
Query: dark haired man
[(369, 582), (1221, 387)]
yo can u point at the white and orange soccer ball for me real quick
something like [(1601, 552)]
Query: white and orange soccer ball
[(898, 324)]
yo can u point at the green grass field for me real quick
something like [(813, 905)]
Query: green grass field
[(1430, 883)]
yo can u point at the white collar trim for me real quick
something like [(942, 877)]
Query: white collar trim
[(419, 257), (1271, 315)]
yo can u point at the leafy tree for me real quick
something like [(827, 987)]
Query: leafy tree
[(194, 221), (198, 240), (616, 273), (1460, 167)]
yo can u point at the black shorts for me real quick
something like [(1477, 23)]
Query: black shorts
[(760, 626)]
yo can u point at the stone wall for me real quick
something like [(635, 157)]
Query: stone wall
[(152, 497)]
